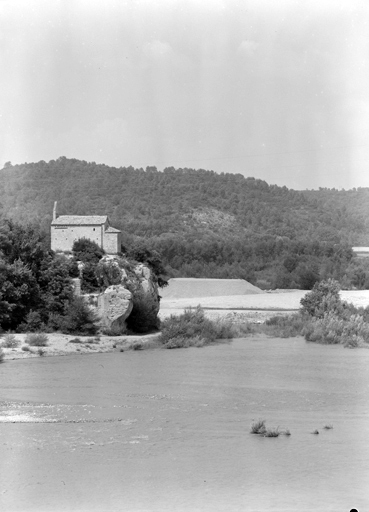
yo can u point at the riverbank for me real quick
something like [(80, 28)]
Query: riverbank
[(252, 308), (59, 344)]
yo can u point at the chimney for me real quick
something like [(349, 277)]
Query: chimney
[(54, 210)]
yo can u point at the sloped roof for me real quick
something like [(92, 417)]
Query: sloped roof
[(112, 230), (80, 220)]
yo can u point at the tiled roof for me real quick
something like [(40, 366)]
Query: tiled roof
[(112, 230), (80, 220)]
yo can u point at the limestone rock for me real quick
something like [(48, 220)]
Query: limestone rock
[(115, 306), (136, 279), (110, 270), (147, 284)]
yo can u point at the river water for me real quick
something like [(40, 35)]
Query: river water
[(168, 430)]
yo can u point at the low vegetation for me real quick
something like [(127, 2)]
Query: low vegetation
[(1, 355), (193, 329), (286, 326), (10, 341), (323, 318), (37, 339), (258, 427)]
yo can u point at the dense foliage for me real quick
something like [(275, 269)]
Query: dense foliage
[(324, 318), (205, 224), (193, 329), (34, 284)]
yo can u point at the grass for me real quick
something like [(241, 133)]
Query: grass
[(37, 339)]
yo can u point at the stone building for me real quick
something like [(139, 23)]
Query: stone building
[(66, 229)]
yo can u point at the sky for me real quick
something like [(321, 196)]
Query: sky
[(273, 89)]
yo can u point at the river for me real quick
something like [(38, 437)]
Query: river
[(168, 430)]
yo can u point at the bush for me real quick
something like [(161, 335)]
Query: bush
[(192, 328), (331, 329), (323, 298), (37, 339), (1, 355), (114, 331), (284, 326), (144, 315), (75, 340), (183, 342), (10, 341), (78, 319)]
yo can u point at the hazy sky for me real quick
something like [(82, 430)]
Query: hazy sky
[(275, 89)]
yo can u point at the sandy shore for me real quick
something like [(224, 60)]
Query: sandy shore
[(61, 345)]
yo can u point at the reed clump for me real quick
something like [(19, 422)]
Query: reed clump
[(258, 427)]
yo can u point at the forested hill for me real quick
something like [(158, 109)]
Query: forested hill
[(151, 203), (205, 224)]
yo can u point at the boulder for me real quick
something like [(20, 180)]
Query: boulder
[(115, 306), (124, 281)]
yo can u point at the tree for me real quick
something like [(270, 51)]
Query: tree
[(323, 298), (19, 293)]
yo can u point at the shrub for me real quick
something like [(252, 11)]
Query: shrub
[(26, 348), (79, 319), (115, 331), (183, 342), (323, 298), (75, 340), (10, 341), (177, 331), (41, 352), (37, 339), (331, 329), (144, 315), (1, 355), (286, 326)]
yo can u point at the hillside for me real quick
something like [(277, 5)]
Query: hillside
[(204, 224), (151, 203)]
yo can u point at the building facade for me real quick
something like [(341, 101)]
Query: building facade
[(66, 229)]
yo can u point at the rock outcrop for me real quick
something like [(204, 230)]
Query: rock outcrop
[(124, 281), (114, 306)]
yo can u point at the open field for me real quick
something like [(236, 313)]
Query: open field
[(251, 306)]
